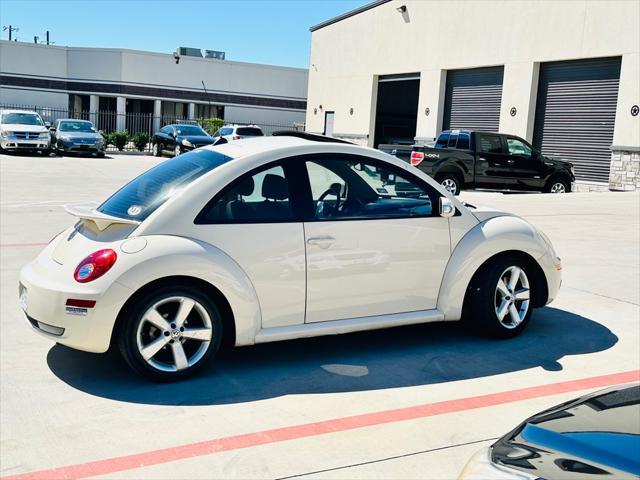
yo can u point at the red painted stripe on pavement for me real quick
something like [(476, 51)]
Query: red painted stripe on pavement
[(18, 245), (208, 447)]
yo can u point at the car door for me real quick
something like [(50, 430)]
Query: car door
[(375, 243), (493, 166), (525, 163), (255, 221)]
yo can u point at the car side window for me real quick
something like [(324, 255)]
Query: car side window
[(453, 139), (443, 138), (489, 144), (257, 197), (518, 147), (353, 188)]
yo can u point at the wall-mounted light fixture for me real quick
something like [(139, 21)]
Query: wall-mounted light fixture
[(402, 9)]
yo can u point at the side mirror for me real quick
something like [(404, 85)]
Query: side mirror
[(47, 124), (52, 129), (447, 209)]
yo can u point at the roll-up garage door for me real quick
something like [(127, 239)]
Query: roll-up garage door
[(472, 99), (575, 113)]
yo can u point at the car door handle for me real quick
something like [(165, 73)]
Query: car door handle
[(482, 159), (511, 162), (324, 241)]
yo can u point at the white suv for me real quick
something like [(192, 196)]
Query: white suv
[(23, 130), (237, 132)]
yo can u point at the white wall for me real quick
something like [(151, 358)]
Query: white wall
[(347, 55)]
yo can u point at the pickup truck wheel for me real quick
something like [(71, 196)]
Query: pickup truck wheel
[(498, 301), (557, 185), (450, 182)]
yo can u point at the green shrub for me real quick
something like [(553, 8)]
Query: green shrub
[(212, 125), (140, 140), (120, 139), (108, 139)]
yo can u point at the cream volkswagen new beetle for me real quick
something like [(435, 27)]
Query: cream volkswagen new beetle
[(276, 238)]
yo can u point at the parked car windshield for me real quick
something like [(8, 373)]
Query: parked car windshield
[(144, 194), (249, 132), (22, 119), (76, 127), (190, 130)]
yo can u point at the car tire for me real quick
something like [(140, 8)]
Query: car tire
[(557, 184), (100, 154), (451, 182), (156, 150), (153, 342), (177, 151), (497, 304)]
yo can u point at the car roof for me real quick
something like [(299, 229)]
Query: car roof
[(72, 120), (250, 146), (10, 110)]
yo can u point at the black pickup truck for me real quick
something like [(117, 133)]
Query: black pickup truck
[(470, 159)]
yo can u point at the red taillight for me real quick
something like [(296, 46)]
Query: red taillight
[(95, 265), (416, 158)]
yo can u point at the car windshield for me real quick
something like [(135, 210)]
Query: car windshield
[(22, 118), (144, 194), (249, 132), (189, 130), (76, 127)]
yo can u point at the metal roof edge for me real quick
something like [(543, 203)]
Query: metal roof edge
[(348, 14)]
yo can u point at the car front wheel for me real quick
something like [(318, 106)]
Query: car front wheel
[(170, 333), (156, 150), (498, 302), (557, 185), (177, 151)]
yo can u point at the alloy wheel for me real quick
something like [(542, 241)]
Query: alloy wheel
[(155, 149), (177, 151), (512, 297), (174, 334), (450, 185), (558, 187)]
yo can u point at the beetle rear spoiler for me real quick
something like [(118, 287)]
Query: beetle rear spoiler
[(102, 220)]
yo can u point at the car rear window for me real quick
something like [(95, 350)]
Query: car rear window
[(249, 132), (463, 141), (143, 195)]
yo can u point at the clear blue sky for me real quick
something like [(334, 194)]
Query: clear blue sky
[(261, 31)]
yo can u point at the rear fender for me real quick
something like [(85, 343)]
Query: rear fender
[(488, 238), (168, 256)]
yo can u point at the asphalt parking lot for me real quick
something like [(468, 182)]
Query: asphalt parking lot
[(411, 402)]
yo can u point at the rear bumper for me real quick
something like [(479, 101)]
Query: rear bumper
[(49, 286)]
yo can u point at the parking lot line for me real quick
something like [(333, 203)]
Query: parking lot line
[(293, 432), (23, 245)]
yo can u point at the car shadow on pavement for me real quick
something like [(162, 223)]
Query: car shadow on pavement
[(399, 357)]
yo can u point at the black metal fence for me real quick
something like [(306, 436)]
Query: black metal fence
[(107, 121)]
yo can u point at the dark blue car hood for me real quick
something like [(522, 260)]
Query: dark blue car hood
[(594, 437)]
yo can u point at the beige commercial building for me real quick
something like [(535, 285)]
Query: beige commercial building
[(563, 75), (117, 87)]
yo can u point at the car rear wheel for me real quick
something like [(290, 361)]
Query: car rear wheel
[(157, 152), (450, 182), (171, 333), (498, 302)]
